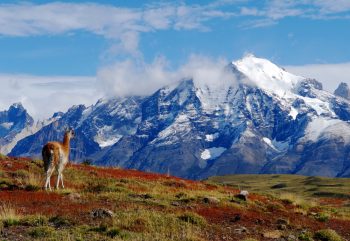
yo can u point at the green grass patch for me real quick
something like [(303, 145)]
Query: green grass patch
[(59, 221), (41, 232), (322, 217), (327, 235), (305, 236), (34, 220), (307, 188), (192, 218)]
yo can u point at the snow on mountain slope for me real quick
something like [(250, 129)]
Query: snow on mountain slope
[(212, 153), (325, 128), (266, 75), (27, 131)]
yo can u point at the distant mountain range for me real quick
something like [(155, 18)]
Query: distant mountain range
[(261, 120)]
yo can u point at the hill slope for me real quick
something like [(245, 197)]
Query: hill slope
[(107, 203)]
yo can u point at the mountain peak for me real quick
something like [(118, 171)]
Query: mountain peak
[(343, 90), (17, 105), (266, 75)]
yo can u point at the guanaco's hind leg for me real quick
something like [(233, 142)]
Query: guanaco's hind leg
[(62, 180), (48, 177), (60, 176)]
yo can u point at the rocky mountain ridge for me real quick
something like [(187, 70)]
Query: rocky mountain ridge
[(260, 119)]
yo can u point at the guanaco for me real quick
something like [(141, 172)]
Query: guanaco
[(56, 156)]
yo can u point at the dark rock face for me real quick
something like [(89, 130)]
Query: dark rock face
[(343, 91), (327, 156), (306, 86), (341, 108), (113, 118)]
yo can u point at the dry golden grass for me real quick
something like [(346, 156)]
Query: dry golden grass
[(34, 179), (8, 214), (297, 200), (7, 211)]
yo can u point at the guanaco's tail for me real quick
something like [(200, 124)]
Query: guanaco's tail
[(48, 155)]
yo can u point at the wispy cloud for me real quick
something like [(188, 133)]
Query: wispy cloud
[(329, 74), (123, 25), (131, 77), (271, 11), (44, 95), (332, 6)]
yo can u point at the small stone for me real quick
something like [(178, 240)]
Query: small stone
[(211, 200), (241, 230), (9, 165), (244, 192), (243, 195), (74, 197), (142, 196), (235, 218), (275, 234), (176, 204), (282, 226), (101, 213), (282, 221), (292, 237), (259, 221)]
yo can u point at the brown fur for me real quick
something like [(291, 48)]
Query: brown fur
[(46, 153)]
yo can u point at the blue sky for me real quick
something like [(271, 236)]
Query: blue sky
[(47, 41)]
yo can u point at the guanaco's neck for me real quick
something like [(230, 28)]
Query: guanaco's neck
[(66, 142)]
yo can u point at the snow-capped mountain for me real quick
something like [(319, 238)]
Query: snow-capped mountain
[(15, 124), (259, 119), (343, 91), (97, 127)]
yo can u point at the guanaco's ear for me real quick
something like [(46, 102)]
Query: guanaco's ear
[(66, 128)]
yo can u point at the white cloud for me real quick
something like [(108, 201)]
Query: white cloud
[(271, 11), (329, 74), (138, 78), (132, 77), (258, 23), (207, 71), (249, 11), (112, 22), (332, 6), (42, 96), (122, 25)]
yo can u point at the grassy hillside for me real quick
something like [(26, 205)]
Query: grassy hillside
[(325, 192), (306, 187), (115, 204)]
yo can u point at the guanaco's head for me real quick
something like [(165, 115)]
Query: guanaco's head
[(69, 133)]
